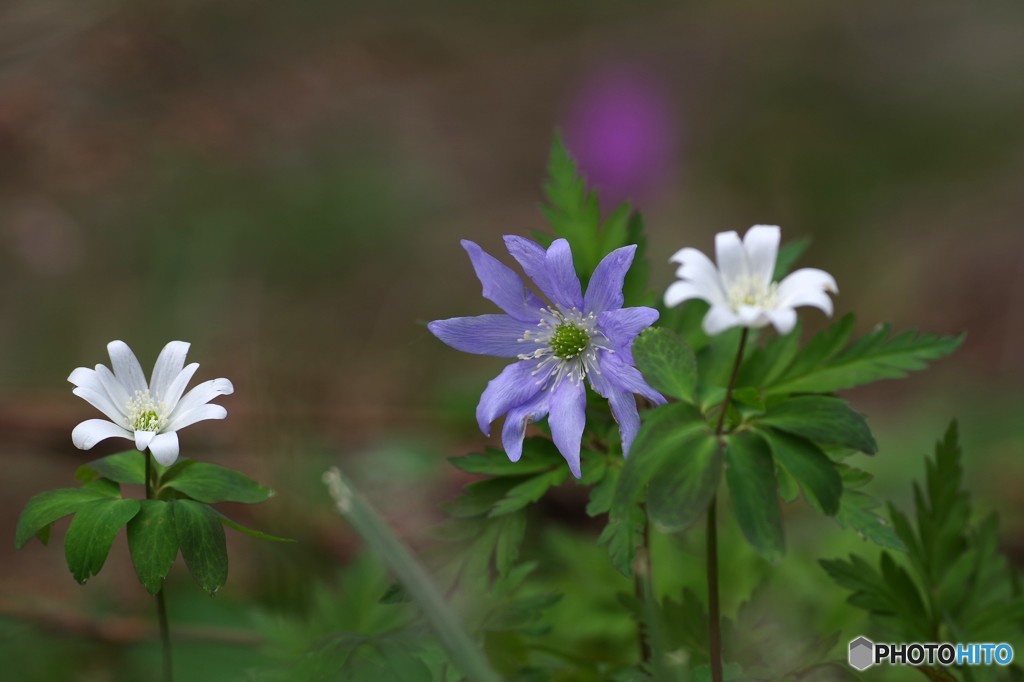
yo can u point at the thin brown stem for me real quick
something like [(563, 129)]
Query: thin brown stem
[(714, 608)]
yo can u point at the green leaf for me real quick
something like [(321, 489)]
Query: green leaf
[(870, 358), (47, 507), (124, 467), (822, 419), (201, 538), (530, 490), (572, 211), (210, 483), (750, 475), (92, 532), (539, 454), (667, 363), (669, 432), (623, 535), (810, 466), (601, 494), (153, 543), (680, 491), (856, 512), (511, 529), (477, 499), (235, 525)]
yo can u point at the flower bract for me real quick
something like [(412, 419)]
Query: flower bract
[(559, 344), (741, 289), (149, 413)]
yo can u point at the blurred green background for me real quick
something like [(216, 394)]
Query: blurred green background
[(284, 185)]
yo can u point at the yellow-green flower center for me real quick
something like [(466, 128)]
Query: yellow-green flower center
[(144, 413), (568, 341)]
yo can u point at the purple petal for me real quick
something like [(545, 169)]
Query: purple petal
[(565, 285), (622, 326), (622, 402), (514, 430), (484, 334), (567, 419), (628, 417), (621, 376), (515, 386), (533, 259), (502, 285), (605, 289)]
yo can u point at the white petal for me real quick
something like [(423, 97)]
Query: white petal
[(718, 319), (114, 388), (731, 258), (762, 245), (698, 269), (177, 386), (196, 414), (807, 287), (784, 319), (199, 396), (164, 447), (82, 376), (143, 438), (680, 291), (168, 366), (126, 367), (92, 431), (752, 316), (102, 402)]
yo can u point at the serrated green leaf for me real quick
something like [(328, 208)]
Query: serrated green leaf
[(47, 507), (203, 547), (810, 466), (477, 499), (530, 490), (210, 483), (572, 211), (510, 534), (92, 532), (124, 467), (682, 487), (822, 419), (667, 432), (872, 357), (750, 475), (667, 363), (601, 494), (153, 543), (235, 525), (789, 489), (623, 534), (856, 512), (494, 462)]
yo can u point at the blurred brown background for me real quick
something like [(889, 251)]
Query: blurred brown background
[(285, 184)]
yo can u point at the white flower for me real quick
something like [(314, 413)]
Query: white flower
[(740, 290), (150, 414)]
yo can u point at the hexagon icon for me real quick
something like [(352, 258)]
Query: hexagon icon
[(862, 653)]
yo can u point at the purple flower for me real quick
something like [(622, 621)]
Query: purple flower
[(557, 344)]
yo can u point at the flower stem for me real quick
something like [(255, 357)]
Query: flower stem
[(161, 605), (714, 610)]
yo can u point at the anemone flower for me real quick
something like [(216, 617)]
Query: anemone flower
[(557, 344), (740, 289), (151, 413)]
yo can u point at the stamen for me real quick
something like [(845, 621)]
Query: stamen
[(144, 413), (567, 343)]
